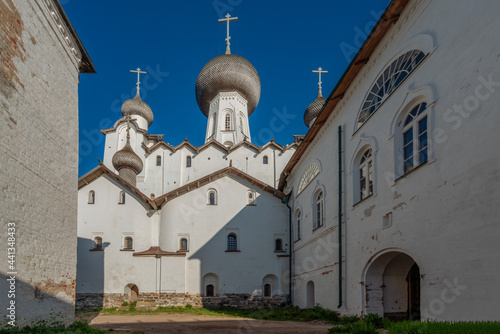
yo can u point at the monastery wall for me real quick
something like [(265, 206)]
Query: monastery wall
[(39, 162), (441, 215)]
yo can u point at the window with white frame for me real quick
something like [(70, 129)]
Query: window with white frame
[(232, 242), (415, 135), (388, 81), (366, 174), (97, 243), (128, 243), (91, 197), (227, 122), (121, 198), (212, 197), (318, 209), (241, 125), (251, 196), (183, 244), (212, 125)]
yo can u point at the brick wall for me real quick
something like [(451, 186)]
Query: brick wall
[(151, 301), (38, 161)]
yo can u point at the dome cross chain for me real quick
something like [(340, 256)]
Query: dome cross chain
[(227, 19), (319, 71), (139, 72)]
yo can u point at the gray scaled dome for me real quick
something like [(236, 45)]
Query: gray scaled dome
[(227, 73), (313, 110), (126, 158), (138, 107)]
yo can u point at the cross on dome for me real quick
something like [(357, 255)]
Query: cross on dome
[(227, 19), (139, 72), (319, 71)]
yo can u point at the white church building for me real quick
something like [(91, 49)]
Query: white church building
[(387, 205)]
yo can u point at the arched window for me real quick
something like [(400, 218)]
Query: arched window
[(267, 290), (241, 125), (121, 199), (366, 175), (210, 291), (128, 243), (91, 197), (227, 122), (278, 245), (183, 244), (251, 196), (212, 197), (388, 81), (299, 218), (98, 243), (188, 161), (310, 298), (212, 125), (265, 160), (158, 160), (232, 242), (415, 135), (318, 210)]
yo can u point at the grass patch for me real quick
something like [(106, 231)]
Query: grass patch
[(40, 328), (279, 314)]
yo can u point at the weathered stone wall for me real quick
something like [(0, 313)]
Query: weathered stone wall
[(38, 161), (150, 301)]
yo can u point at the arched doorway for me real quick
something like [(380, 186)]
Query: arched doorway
[(310, 300), (392, 286), (131, 292)]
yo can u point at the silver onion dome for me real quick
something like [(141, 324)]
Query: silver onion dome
[(227, 73), (127, 159), (138, 107), (313, 110)]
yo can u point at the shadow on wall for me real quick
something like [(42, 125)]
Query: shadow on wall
[(233, 272), (90, 269), (23, 304)]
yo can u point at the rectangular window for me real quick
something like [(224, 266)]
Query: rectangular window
[(370, 178)]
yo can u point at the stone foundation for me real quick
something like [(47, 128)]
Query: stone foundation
[(151, 301)]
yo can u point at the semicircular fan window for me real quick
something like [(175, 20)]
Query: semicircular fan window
[(388, 81)]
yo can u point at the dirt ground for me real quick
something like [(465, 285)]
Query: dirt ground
[(185, 323)]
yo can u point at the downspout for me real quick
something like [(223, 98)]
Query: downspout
[(340, 216), (289, 249)]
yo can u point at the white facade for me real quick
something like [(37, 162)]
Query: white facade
[(441, 215), (201, 222)]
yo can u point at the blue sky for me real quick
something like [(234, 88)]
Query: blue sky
[(173, 40)]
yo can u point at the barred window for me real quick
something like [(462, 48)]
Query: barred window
[(232, 242)]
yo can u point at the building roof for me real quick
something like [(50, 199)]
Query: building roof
[(159, 201), (86, 64), (384, 24)]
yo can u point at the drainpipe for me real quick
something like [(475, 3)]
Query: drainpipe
[(340, 216), (289, 249)]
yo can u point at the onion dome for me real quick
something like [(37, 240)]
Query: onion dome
[(228, 73), (137, 107), (127, 159), (313, 110)]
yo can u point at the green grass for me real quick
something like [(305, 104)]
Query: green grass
[(279, 314)]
